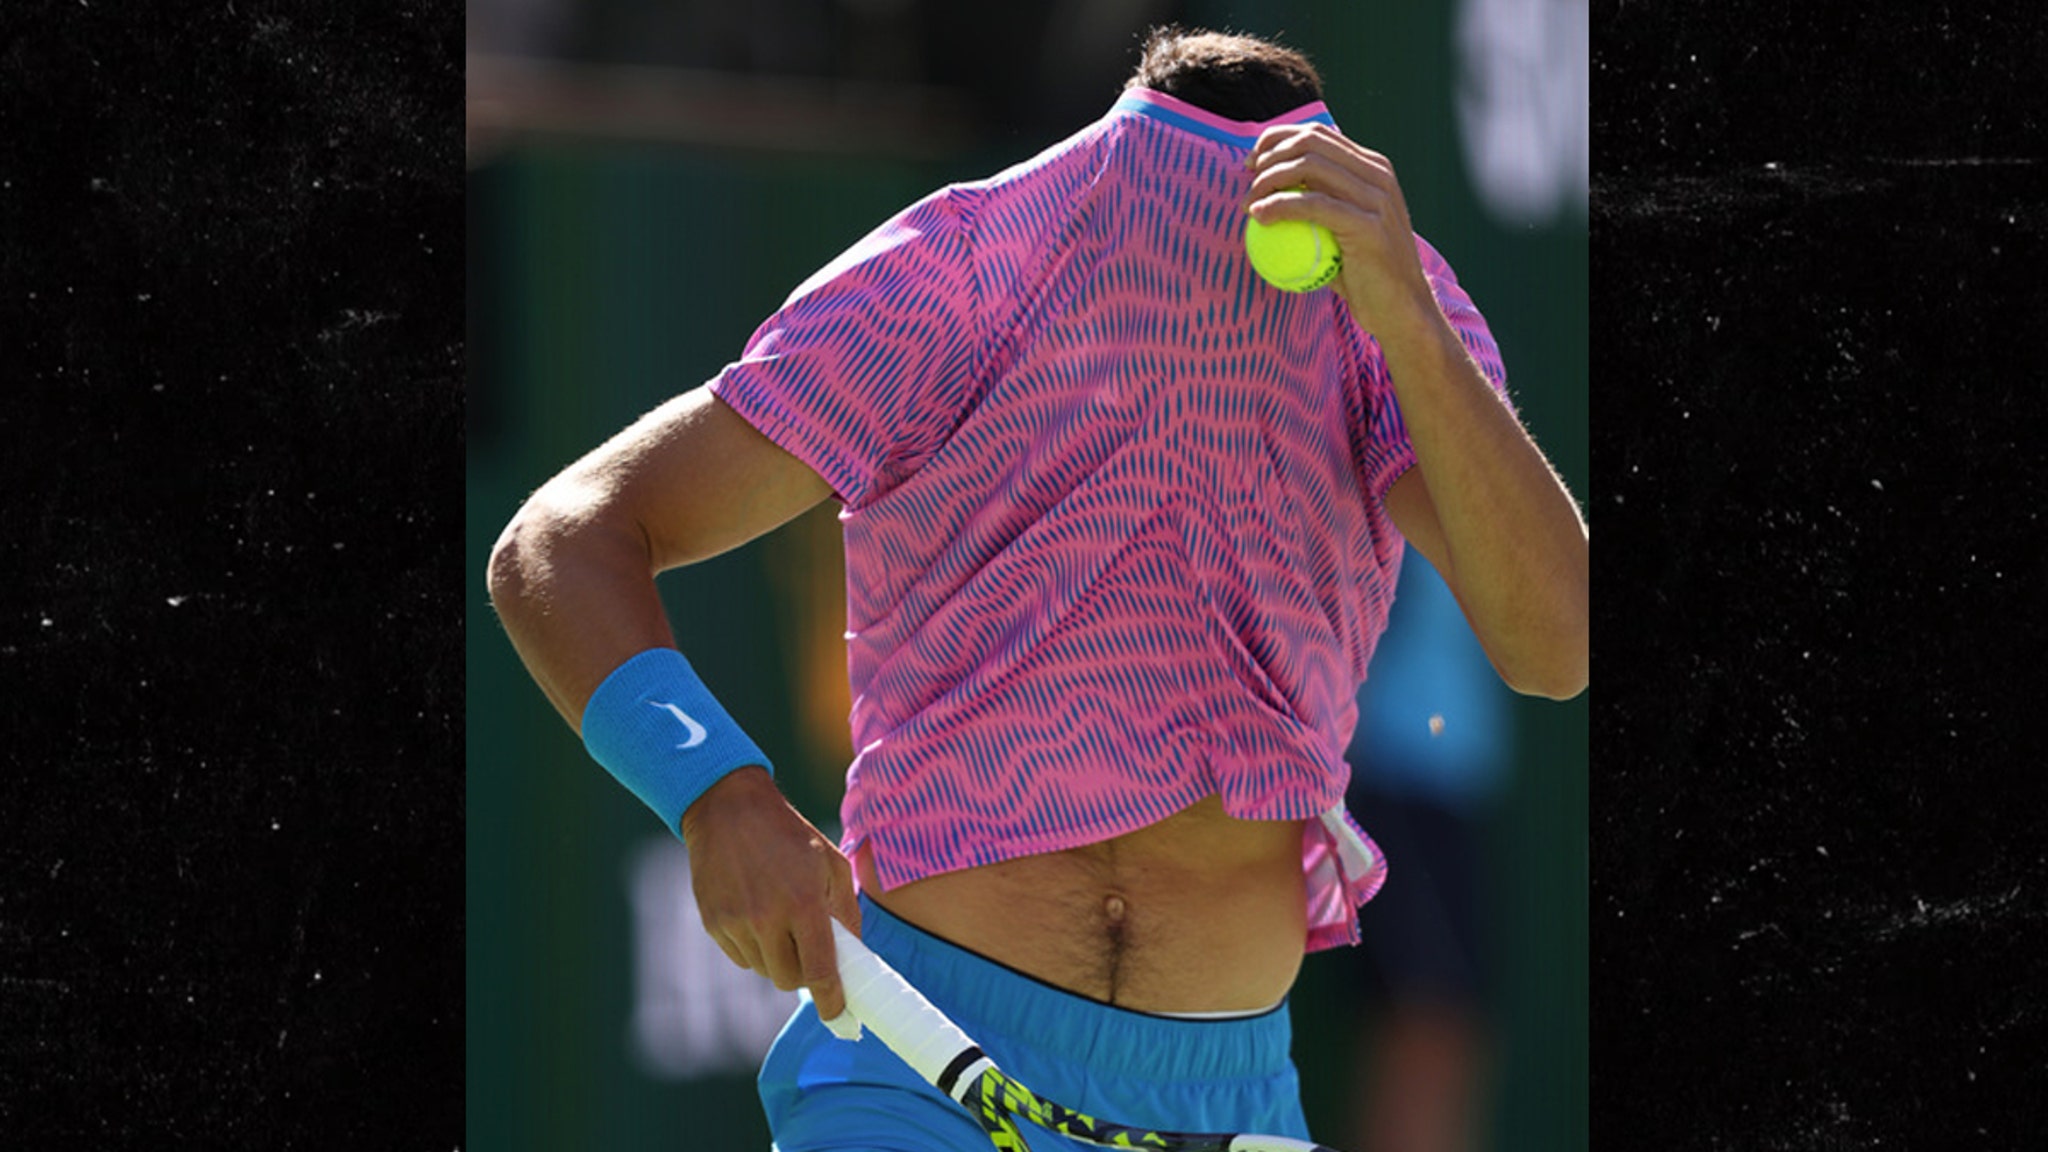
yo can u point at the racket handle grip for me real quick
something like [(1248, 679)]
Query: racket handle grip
[(894, 1011)]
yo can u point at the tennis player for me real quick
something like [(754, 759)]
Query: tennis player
[(1122, 523)]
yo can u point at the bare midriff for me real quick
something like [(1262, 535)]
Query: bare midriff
[(1197, 913)]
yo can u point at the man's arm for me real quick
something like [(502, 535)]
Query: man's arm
[(572, 578), (572, 575), (1483, 504)]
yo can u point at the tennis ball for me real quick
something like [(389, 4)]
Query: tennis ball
[(1292, 255)]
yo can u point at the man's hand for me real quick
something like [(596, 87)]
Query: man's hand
[(765, 881), (1484, 505), (1312, 172)]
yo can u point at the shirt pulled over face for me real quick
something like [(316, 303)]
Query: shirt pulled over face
[(1111, 504)]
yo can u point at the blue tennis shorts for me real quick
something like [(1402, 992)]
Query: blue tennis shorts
[(823, 1093)]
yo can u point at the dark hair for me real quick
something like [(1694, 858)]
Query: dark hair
[(1234, 76)]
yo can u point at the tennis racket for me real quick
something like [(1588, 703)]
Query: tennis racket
[(880, 998)]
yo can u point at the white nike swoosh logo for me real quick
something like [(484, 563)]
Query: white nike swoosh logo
[(696, 730)]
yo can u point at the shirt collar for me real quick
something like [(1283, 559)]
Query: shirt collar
[(1155, 105)]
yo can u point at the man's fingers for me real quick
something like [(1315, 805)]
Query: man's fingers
[(1297, 139), (820, 965), (1346, 219), (800, 958), (731, 950), (736, 940), (780, 962), (846, 903), (1316, 173), (1273, 140), (1320, 157)]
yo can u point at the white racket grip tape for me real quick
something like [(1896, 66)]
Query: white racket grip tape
[(1272, 1144), (894, 1011)]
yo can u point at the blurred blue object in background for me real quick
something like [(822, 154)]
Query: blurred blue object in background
[(1434, 720)]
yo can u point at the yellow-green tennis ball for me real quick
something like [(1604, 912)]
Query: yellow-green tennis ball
[(1292, 255)]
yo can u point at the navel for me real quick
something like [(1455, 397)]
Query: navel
[(1114, 908)]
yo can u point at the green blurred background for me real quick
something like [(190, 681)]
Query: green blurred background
[(648, 182)]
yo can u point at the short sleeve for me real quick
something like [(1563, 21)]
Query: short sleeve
[(866, 368), (1464, 317), (1384, 450)]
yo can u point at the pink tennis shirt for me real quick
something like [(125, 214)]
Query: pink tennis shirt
[(1111, 505)]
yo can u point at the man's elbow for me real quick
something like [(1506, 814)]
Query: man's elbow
[(1560, 683), (557, 543), (525, 553), (505, 576), (1559, 671), (1551, 661)]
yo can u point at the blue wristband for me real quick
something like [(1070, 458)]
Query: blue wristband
[(654, 725)]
